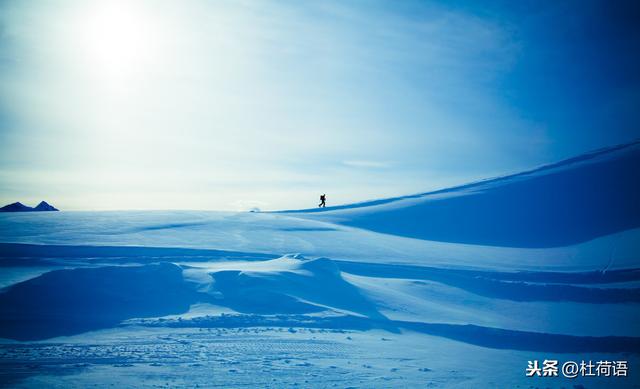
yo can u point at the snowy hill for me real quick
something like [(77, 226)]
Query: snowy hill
[(569, 202), (357, 295)]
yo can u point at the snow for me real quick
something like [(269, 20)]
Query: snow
[(281, 234), (558, 205), (352, 296)]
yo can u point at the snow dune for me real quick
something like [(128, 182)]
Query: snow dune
[(540, 262), (566, 203), (71, 301), (320, 293)]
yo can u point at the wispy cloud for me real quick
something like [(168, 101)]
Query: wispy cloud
[(368, 164)]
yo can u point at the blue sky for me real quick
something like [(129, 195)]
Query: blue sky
[(231, 105)]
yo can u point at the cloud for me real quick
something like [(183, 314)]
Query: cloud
[(368, 164)]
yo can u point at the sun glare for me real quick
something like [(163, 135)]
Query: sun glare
[(117, 39)]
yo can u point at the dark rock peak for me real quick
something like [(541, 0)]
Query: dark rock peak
[(44, 206), (19, 207)]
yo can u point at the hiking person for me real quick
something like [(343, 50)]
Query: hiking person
[(323, 199)]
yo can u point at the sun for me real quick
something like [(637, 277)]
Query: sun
[(117, 39)]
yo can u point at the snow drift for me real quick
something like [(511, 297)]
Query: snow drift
[(70, 301), (569, 202)]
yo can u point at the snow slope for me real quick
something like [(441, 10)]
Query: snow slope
[(569, 202), (351, 296), (278, 234)]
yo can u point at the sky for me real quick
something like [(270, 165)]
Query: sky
[(231, 105)]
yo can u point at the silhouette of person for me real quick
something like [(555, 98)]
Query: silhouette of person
[(323, 199)]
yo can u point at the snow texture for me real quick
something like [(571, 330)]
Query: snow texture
[(455, 288)]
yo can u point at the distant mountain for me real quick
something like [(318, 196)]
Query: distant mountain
[(44, 206), (19, 207), (16, 207)]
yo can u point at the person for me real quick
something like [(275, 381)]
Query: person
[(323, 199)]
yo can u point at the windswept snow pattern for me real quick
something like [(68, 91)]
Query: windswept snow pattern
[(367, 295)]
